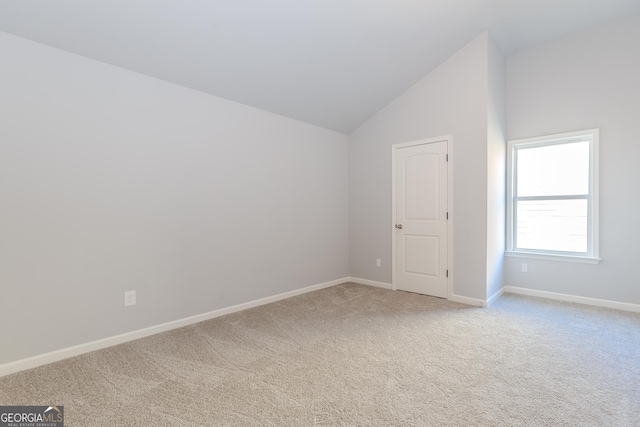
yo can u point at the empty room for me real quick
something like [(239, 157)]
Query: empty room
[(319, 213)]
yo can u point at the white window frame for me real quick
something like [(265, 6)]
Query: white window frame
[(592, 256)]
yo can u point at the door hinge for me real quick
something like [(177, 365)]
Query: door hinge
[(447, 157), (447, 215), (447, 273)]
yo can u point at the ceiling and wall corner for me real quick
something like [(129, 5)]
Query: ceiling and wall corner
[(332, 64)]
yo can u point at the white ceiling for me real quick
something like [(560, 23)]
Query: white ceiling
[(333, 63)]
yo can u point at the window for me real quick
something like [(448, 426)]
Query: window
[(552, 197)]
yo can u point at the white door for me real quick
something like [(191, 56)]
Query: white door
[(421, 236)]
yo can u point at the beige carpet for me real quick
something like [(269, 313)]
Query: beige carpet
[(357, 355)]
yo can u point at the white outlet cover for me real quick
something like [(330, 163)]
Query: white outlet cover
[(129, 298)]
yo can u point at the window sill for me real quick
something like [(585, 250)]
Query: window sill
[(566, 258)]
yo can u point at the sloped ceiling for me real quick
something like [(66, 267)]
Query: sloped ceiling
[(332, 63)]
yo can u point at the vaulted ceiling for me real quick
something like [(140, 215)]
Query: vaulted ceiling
[(332, 63)]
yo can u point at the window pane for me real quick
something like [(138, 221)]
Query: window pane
[(553, 225), (554, 170)]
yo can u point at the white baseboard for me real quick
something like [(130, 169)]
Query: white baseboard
[(370, 283), (574, 298), (469, 301), (54, 356), (456, 298), (493, 298)]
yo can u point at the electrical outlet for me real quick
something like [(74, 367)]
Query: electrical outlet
[(378, 262), (524, 267), (129, 298)]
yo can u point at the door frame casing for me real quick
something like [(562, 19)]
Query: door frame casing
[(394, 150)]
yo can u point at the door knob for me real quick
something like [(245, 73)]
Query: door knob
[(399, 226)]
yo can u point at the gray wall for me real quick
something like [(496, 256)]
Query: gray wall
[(496, 168), (451, 100), (587, 80), (112, 181)]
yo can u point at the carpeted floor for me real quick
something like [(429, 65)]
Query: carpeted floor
[(356, 355)]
